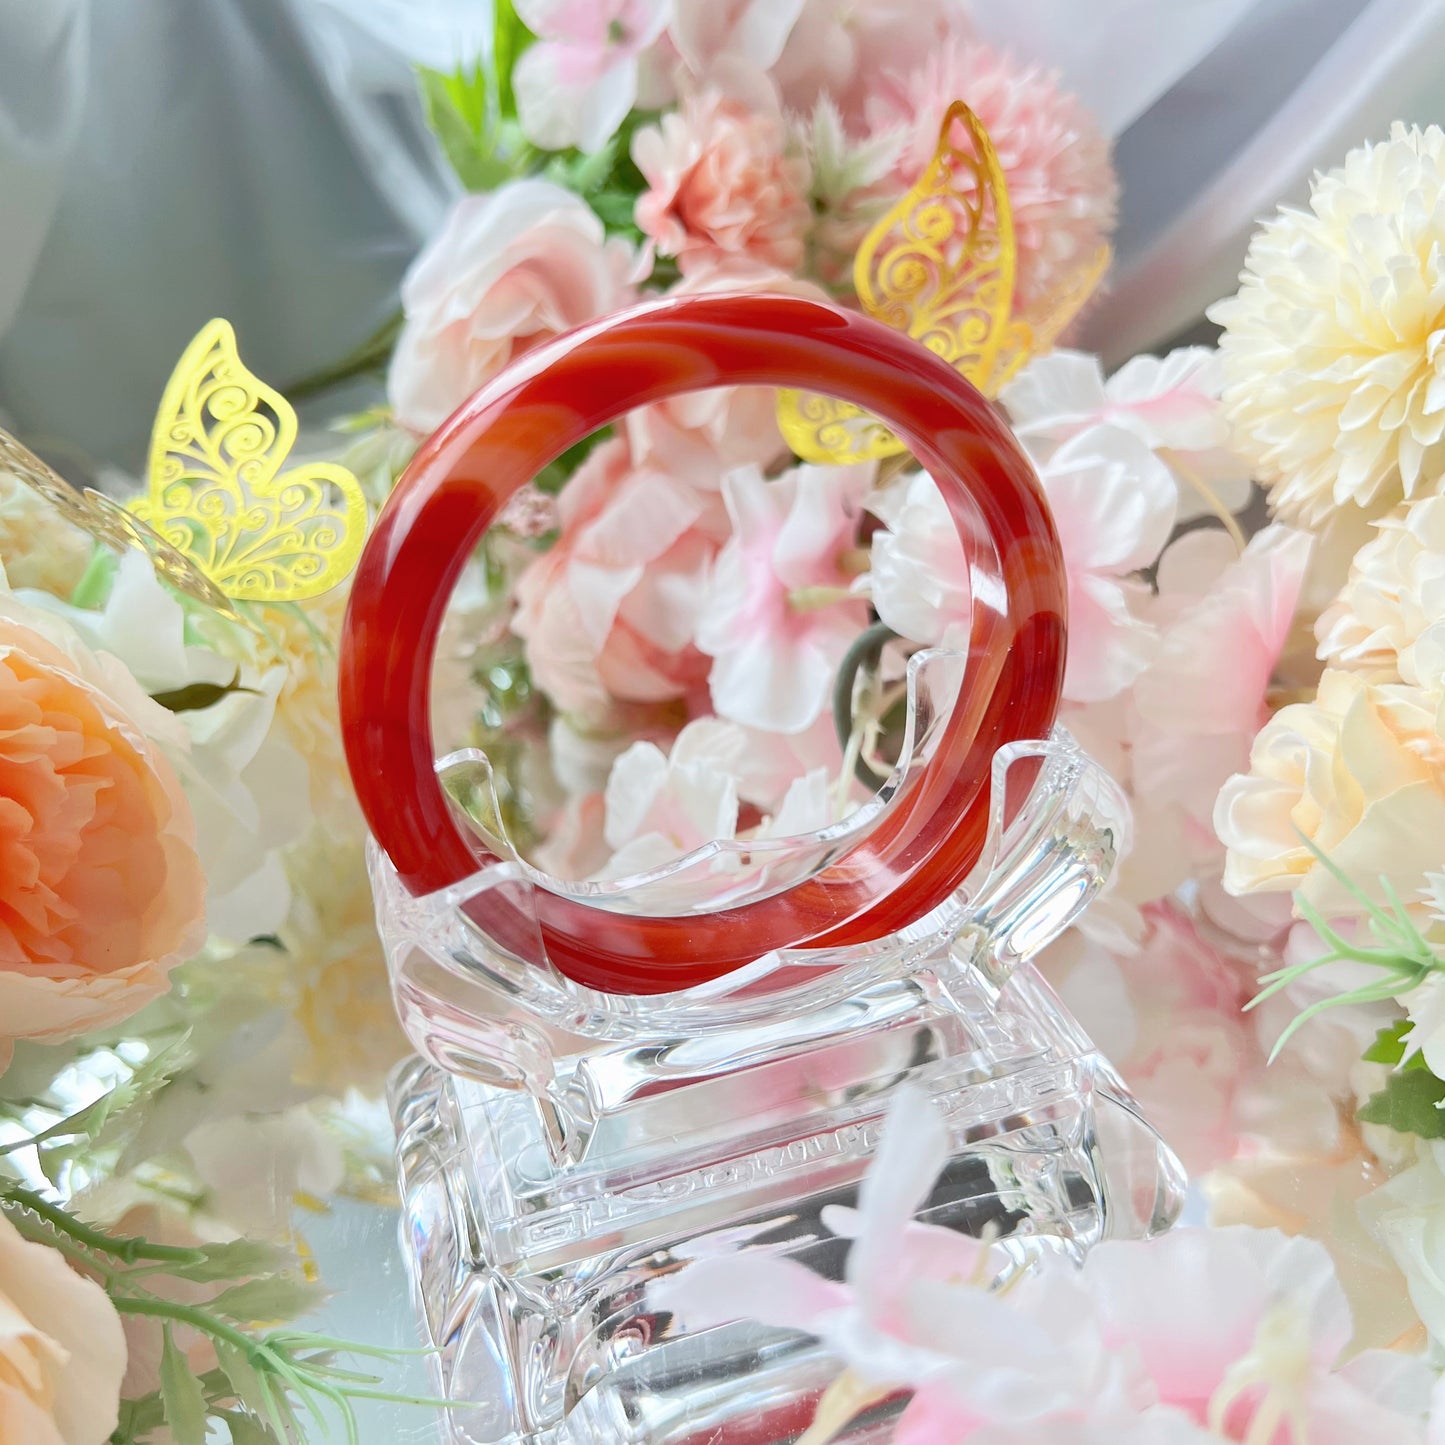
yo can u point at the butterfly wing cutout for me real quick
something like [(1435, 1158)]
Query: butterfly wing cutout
[(217, 492), (1063, 305), (941, 266), (110, 524)]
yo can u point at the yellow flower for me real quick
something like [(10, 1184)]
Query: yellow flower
[(336, 984), (340, 993), (1334, 345), (303, 638), (1359, 773), (38, 547), (1322, 1197)]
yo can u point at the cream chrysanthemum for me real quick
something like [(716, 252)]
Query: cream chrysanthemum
[(1389, 621), (303, 638), (1334, 345), (1357, 775)]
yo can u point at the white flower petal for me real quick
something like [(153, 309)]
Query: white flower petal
[(636, 779), (911, 1154), (806, 807)]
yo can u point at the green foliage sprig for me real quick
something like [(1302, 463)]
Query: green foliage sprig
[(268, 1381), (1399, 951), (271, 1378), (1413, 1098), (472, 111)]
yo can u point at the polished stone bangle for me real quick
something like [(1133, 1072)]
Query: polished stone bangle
[(924, 843)]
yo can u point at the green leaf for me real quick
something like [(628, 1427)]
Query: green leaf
[(199, 695), (281, 1297), (555, 475), (481, 151), (590, 173), (616, 210), (265, 1400), (236, 1259), (138, 1419), (509, 39), (1409, 1104), (96, 581), (247, 1429), (181, 1395), (1390, 1046), (90, 1122)]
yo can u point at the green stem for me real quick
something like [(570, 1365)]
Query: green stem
[(199, 1319), (864, 651), (272, 1355), (95, 582), (308, 1341), (127, 1250), (65, 1246), (372, 355)]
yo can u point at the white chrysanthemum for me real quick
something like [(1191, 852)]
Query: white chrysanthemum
[(1434, 895), (1334, 346), (1388, 620)]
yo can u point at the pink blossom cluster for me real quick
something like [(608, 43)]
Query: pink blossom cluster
[(695, 575), (1197, 1337), (784, 128), (686, 616), (687, 621)]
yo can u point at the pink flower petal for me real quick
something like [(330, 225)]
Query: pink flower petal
[(748, 1286)]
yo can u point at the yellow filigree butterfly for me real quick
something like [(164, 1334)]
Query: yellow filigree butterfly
[(941, 265), (217, 492), (109, 523), (220, 519)]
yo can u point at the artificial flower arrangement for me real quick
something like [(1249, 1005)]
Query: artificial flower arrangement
[(694, 628)]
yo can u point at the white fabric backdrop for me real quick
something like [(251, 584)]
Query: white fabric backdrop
[(263, 160), (163, 161), (1288, 91)]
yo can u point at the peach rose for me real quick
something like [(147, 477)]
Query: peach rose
[(1359, 773), (62, 1350), (610, 610), (507, 270), (101, 891), (722, 182)]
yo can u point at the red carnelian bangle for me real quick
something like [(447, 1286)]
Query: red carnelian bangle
[(930, 836)]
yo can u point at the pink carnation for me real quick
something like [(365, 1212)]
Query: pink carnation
[(722, 184), (846, 52), (1056, 160), (700, 435)]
